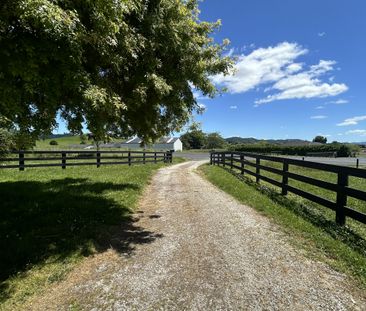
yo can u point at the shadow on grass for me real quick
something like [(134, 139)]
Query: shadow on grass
[(311, 214), (55, 219)]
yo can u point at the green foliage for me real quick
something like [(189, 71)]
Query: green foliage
[(320, 139), (53, 143), (193, 140), (23, 140), (215, 141), (83, 139), (342, 150), (6, 141), (121, 67)]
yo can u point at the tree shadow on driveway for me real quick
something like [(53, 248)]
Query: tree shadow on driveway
[(43, 221)]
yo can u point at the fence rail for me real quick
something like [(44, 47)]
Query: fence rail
[(27, 159), (239, 160)]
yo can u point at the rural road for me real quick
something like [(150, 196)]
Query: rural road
[(209, 253)]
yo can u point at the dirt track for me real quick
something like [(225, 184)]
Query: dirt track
[(205, 251)]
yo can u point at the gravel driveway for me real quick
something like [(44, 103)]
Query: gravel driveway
[(209, 253)]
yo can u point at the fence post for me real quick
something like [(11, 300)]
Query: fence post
[(144, 157), (357, 163), (224, 157), (21, 161), (341, 197), (154, 157), (63, 161), (257, 169), (231, 160), (242, 164), (129, 158), (285, 177), (171, 156), (98, 159), (210, 158)]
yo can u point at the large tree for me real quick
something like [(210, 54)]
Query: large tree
[(320, 139), (215, 141), (117, 66)]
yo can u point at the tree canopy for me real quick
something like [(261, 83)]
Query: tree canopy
[(195, 138), (215, 141), (119, 67), (320, 139)]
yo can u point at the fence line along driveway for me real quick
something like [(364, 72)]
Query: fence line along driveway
[(64, 158), (342, 189), (211, 253)]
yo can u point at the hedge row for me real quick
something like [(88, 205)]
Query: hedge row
[(342, 150)]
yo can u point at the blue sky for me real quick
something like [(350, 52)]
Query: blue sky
[(300, 70)]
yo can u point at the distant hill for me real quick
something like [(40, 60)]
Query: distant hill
[(241, 140), (282, 142), (59, 135)]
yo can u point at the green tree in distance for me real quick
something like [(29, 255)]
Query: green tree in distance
[(121, 67), (215, 141), (320, 139), (194, 138)]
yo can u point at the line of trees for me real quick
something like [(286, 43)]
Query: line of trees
[(195, 138)]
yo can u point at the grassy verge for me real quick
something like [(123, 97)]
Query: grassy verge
[(50, 219), (306, 224)]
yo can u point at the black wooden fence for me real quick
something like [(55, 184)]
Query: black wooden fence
[(28, 159), (240, 160)]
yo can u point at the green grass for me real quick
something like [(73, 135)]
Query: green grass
[(52, 218), (308, 225), (63, 143)]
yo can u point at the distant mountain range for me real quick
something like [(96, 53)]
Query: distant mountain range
[(282, 142)]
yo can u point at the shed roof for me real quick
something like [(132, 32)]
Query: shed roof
[(163, 140)]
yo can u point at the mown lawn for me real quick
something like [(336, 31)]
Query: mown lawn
[(52, 218), (308, 225)]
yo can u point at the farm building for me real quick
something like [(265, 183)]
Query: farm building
[(165, 143)]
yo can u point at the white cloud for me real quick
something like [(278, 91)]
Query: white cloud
[(202, 107), (277, 67), (263, 65), (233, 107), (319, 107), (198, 95), (305, 84), (339, 101), (321, 34), (295, 67), (318, 117), (352, 121), (357, 132), (325, 135)]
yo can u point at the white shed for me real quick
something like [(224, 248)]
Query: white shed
[(164, 143)]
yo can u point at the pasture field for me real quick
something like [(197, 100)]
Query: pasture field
[(63, 143), (52, 218), (309, 226)]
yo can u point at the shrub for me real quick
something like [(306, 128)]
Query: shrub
[(53, 143)]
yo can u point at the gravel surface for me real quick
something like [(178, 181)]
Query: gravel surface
[(193, 156), (209, 253)]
